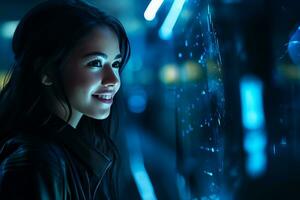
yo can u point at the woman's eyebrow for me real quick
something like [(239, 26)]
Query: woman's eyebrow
[(118, 56), (100, 54)]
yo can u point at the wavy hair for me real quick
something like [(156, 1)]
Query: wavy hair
[(41, 43)]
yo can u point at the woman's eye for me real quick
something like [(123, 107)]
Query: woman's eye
[(95, 63), (116, 64)]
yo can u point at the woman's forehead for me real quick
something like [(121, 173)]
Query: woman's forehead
[(99, 39)]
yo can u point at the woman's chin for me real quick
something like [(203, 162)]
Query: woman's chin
[(100, 116)]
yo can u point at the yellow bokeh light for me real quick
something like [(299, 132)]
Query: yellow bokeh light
[(169, 74), (191, 71)]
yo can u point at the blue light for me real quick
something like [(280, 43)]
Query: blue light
[(252, 103), (137, 167), (165, 32), (7, 29), (208, 173), (231, 1), (283, 141), (255, 142), (294, 47), (137, 101), (256, 164), (142, 179), (255, 139), (152, 9)]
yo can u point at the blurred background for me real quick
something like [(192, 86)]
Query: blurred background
[(211, 95)]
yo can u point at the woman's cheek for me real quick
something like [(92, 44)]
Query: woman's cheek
[(79, 77)]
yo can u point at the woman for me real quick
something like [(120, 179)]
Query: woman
[(57, 110)]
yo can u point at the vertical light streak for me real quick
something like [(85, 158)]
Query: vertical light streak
[(252, 103), (137, 167), (255, 140)]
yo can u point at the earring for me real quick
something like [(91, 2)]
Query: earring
[(46, 81)]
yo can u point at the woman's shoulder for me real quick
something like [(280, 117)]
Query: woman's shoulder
[(24, 150), (31, 168)]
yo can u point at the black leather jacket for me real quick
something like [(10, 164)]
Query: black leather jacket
[(47, 164)]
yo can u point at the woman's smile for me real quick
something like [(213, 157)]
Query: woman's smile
[(104, 98), (93, 70)]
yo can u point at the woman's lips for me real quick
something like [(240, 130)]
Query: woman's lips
[(99, 98)]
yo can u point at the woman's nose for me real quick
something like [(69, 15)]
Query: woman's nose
[(110, 77)]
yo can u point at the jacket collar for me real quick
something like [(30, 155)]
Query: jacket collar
[(97, 161), (53, 126)]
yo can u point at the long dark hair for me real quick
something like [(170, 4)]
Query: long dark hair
[(41, 43)]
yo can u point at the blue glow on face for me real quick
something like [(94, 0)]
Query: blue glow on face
[(152, 9), (137, 102), (252, 103), (165, 32)]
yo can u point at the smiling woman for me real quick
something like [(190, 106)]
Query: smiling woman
[(95, 75), (58, 108)]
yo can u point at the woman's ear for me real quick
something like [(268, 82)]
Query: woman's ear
[(46, 80)]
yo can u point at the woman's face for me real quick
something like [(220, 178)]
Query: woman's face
[(91, 74)]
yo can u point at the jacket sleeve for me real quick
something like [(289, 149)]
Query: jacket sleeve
[(30, 172)]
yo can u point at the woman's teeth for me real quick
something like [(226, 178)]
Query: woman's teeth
[(105, 96)]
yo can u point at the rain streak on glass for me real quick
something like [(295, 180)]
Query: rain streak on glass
[(200, 103)]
